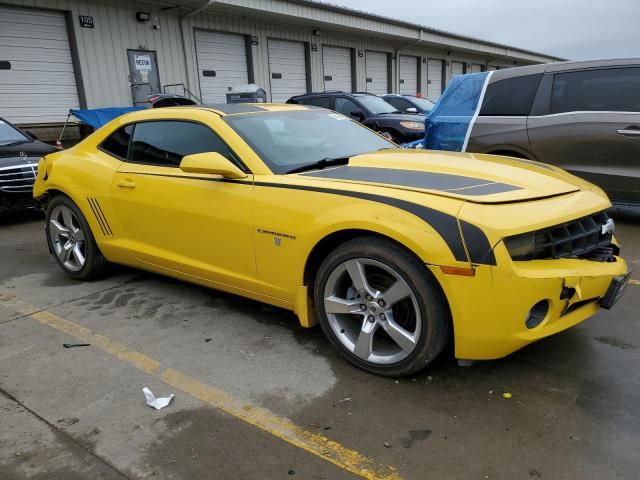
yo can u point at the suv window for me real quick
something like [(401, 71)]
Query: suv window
[(512, 96), (164, 143), (117, 144), (324, 102), (346, 106), (400, 103), (611, 89)]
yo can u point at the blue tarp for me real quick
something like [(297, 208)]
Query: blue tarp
[(97, 117), (447, 125)]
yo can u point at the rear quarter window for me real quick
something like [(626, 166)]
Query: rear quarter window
[(511, 96), (609, 89), (117, 144)]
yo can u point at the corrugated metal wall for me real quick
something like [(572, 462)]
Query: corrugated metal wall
[(102, 57)]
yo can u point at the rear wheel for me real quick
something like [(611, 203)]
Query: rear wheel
[(380, 307), (71, 241)]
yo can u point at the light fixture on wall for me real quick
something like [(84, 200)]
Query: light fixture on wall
[(143, 16), (361, 53), (316, 33)]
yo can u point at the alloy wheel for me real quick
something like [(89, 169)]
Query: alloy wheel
[(67, 238), (372, 311)]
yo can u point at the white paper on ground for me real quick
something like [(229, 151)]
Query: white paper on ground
[(154, 402)]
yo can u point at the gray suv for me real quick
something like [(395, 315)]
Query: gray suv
[(581, 116)]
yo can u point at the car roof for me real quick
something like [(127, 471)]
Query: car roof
[(221, 109), (562, 66)]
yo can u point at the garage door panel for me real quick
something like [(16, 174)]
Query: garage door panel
[(287, 59), (408, 75), (225, 54), (434, 79), (376, 67), (457, 68), (41, 86)]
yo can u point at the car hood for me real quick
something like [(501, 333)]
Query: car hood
[(475, 178), (17, 153), (399, 117)]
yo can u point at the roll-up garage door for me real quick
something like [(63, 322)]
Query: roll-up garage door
[(287, 69), (37, 82), (457, 68), (434, 79), (476, 68), (336, 68), (408, 75), (377, 72), (222, 64)]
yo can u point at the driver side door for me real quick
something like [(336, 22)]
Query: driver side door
[(196, 224)]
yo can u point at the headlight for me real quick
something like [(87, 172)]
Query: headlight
[(413, 125), (521, 247)]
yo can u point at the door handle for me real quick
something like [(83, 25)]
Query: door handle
[(126, 183), (633, 130)]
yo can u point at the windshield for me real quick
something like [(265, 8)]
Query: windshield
[(376, 105), (9, 134), (423, 103), (289, 140)]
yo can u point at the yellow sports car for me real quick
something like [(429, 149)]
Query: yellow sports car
[(394, 252)]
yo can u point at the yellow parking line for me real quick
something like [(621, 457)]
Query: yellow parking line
[(318, 445)]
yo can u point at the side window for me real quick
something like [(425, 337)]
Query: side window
[(400, 103), (512, 96), (164, 143), (117, 144), (345, 106), (324, 102), (611, 89)]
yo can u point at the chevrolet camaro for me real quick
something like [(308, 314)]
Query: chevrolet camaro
[(395, 253)]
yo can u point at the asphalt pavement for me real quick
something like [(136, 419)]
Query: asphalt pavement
[(258, 397)]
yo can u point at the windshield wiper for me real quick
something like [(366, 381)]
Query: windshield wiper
[(320, 164)]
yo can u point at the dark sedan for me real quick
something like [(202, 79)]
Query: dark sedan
[(19, 156)]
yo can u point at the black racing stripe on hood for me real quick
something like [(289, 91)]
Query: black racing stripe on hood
[(411, 178)]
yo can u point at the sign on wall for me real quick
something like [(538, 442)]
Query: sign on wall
[(86, 21)]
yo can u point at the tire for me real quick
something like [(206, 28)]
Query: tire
[(365, 319), (71, 241)]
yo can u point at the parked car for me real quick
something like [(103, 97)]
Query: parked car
[(581, 116), (370, 110), (394, 252), (19, 156), (409, 103)]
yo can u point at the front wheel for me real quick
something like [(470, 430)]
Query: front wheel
[(380, 307), (71, 241)]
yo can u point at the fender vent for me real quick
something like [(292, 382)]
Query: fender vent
[(100, 217)]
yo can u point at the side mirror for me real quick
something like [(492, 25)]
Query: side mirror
[(357, 114), (412, 110), (212, 163)]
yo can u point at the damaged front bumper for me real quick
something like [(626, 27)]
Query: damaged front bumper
[(505, 307)]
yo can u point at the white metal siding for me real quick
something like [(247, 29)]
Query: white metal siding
[(40, 86), (225, 54), (288, 60), (476, 68), (408, 75), (336, 65), (457, 68), (434, 79), (376, 70)]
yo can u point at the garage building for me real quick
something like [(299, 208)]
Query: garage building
[(64, 54)]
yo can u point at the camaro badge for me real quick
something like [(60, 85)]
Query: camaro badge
[(608, 227)]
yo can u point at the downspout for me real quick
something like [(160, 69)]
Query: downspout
[(396, 84), (182, 20)]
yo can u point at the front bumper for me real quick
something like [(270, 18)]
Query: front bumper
[(489, 310)]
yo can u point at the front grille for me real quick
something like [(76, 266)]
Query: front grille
[(581, 238), (18, 178)]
